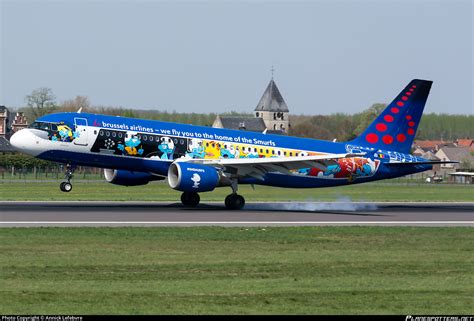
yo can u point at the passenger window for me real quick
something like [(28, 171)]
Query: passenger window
[(151, 138), (107, 134), (145, 137), (114, 134)]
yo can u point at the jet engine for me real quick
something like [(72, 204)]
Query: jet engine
[(128, 178), (188, 177)]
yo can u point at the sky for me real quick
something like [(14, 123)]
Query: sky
[(216, 56)]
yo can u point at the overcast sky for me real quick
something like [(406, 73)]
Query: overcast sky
[(216, 56)]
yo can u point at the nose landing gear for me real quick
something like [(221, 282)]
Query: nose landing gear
[(67, 186)]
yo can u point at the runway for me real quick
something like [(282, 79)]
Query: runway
[(29, 214)]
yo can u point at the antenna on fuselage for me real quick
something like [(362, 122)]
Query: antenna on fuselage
[(265, 131), (79, 111)]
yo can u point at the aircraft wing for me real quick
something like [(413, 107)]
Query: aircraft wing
[(257, 167)]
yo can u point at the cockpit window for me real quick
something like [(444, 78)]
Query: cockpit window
[(42, 126)]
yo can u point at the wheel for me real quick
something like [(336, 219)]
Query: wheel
[(234, 202), (190, 199), (65, 187)]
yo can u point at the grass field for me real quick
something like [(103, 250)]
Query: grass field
[(160, 191), (309, 270)]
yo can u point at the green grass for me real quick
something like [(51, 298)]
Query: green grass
[(160, 191), (213, 270)]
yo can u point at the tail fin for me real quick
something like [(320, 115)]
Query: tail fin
[(395, 128)]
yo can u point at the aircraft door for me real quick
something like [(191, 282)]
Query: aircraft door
[(81, 131)]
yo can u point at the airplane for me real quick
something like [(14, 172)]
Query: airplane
[(197, 159)]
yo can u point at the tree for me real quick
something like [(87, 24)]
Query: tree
[(40, 102), (76, 103), (368, 116)]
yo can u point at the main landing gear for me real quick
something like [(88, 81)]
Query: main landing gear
[(190, 199), (232, 201), (67, 186)]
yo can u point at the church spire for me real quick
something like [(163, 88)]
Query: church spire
[(271, 99)]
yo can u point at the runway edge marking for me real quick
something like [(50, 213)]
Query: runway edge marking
[(235, 223)]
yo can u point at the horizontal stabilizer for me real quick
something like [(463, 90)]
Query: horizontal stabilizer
[(401, 164)]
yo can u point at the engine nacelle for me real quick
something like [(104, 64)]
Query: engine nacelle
[(187, 177), (128, 178)]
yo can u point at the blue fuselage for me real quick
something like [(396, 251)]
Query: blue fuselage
[(151, 146)]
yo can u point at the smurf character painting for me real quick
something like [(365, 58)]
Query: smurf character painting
[(166, 146), (332, 170), (366, 168), (65, 134), (131, 144), (195, 149), (196, 179), (228, 151)]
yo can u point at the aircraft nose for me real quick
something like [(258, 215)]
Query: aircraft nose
[(18, 140), (23, 140)]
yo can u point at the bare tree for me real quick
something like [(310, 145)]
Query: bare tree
[(76, 103), (41, 101)]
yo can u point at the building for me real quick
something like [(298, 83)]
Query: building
[(469, 143), (242, 123), (271, 115), (272, 109), (19, 122), (8, 126), (461, 177), (456, 154), (423, 146)]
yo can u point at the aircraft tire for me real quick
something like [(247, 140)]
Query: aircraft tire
[(65, 187), (234, 202), (190, 199)]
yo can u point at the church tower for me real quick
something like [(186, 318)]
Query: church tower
[(273, 110)]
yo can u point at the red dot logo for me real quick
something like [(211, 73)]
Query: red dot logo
[(381, 127), (411, 89), (411, 131), (395, 110), (411, 123), (408, 117), (401, 138), (388, 118), (414, 86), (405, 98), (387, 139), (408, 93), (400, 103), (372, 138)]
